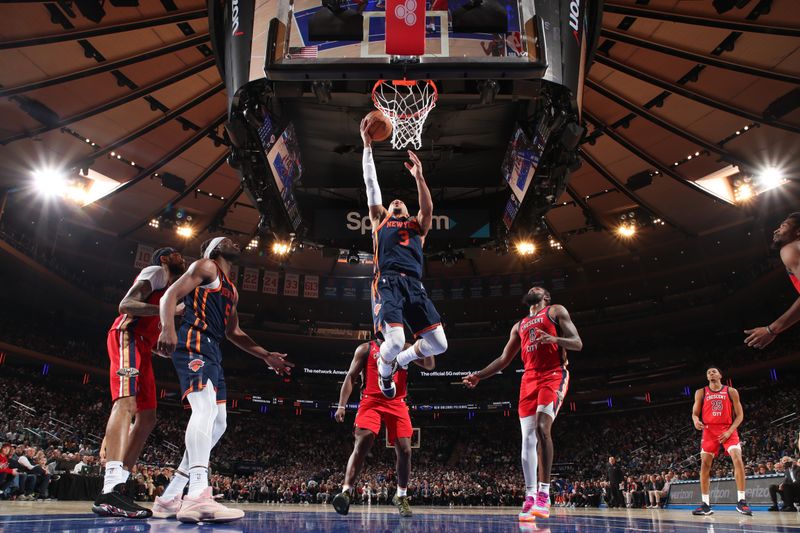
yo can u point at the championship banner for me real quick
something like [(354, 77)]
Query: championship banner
[(250, 281), (476, 288), (270, 282), (291, 285), (723, 491), (496, 286), (144, 255), (310, 286), (456, 290), (435, 290), (331, 289), (366, 289), (349, 291)]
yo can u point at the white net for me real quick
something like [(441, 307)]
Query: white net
[(406, 103)]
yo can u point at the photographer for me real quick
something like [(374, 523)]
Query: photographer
[(789, 489)]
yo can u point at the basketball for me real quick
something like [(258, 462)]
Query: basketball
[(381, 128)]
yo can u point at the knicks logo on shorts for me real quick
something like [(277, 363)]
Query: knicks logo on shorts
[(127, 372), (377, 309), (196, 364)]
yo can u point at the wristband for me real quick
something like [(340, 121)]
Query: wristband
[(341, 407), (769, 330)]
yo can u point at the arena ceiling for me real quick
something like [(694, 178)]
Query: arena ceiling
[(677, 92)]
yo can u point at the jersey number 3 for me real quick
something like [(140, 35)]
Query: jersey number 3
[(404, 237)]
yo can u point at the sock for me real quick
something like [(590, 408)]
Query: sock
[(406, 356), (125, 475), (740, 495), (176, 485), (545, 487), (198, 480), (401, 492), (346, 488), (706, 499), (113, 476)]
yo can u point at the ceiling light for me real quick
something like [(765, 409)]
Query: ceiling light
[(280, 248), (253, 244), (626, 230), (154, 223), (770, 177), (525, 248), (743, 193), (185, 231), (50, 181)]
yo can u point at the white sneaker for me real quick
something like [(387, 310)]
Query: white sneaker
[(203, 508), (166, 508)]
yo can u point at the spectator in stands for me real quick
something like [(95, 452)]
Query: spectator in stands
[(8, 475), (789, 488)]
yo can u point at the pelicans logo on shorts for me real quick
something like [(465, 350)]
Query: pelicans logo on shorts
[(196, 364), (127, 372)]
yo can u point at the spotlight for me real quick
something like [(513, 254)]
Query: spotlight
[(525, 248), (252, 245), (50, 182), (554, 244), (743, 193), (154, 223), (280, 248), (770, 177), (626, 230), (185, 231)]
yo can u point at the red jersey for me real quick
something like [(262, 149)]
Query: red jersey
[(540, 357), (146, 327), (371, 389), (717, 407), (795, 281)]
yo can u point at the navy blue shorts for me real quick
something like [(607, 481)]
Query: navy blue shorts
[(398, 299), (197, 360)]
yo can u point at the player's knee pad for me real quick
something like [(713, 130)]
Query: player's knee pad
[(433, 342), (394, 338), (220, 423)]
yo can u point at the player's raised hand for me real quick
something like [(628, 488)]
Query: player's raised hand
[(415, 166), (339, 416), (278, 363), (471, 381), (366, 123)]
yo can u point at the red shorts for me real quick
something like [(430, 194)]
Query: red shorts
[(393, 413), (131, 369), (542, 389), (711, 444)]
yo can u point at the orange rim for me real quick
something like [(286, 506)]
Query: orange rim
[(405, 83)]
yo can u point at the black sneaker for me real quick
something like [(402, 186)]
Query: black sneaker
[(118, 503), (743, 508), (387, 385), (788, 509), (341, 502), (703, 510), (402, 505), (773, 509)]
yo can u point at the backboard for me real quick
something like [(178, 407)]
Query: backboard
[(283, 46)]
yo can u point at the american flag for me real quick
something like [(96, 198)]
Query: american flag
[(304, 52)]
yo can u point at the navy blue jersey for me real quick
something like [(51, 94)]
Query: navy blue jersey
[(208, 308), (398, 246)]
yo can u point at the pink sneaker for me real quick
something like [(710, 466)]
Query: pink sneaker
[(203, 508), (166, 508), (541, 508), (525, 515)]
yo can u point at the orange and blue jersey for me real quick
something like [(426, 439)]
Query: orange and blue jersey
[(398, 243)]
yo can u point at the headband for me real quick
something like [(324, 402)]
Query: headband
[(214, 243)]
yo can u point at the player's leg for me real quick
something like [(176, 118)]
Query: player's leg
[(145, 409), (394, 338), (530, 463), (735, 451), (363, 444), (399, 432), (426, 323), (706, 460)]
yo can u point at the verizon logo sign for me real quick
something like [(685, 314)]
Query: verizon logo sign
[(574, 18), (235, 19)]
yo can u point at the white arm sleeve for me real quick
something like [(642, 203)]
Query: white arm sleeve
[(155, 275), (371, 179)]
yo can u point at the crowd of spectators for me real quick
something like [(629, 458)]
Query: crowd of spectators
[(55, 431)]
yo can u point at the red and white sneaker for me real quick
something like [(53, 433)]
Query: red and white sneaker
[(525, 515), (166, 508), (541, 507), (203, 508)]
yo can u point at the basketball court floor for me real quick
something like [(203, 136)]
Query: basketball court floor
[(40, 517)]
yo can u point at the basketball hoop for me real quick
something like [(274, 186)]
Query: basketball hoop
[(406, 103)]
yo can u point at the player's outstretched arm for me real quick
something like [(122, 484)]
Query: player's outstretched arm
[(200, 272), (277, 361), (509, 353), (425, 216), (762, 336), (374, 199), (696, 409), (135, 301), (356, 367)]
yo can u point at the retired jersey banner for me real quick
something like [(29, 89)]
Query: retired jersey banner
[(250, 281), (144, 255), (310, 286), (331, 289), (270, 283), (234, 275), (291, 285)]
